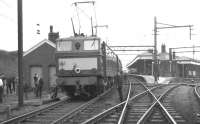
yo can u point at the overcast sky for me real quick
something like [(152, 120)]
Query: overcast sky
[(130, 21)]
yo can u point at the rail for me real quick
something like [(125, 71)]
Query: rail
[(62, 119), (104, 113), (32, 113), (125, 106), (158, 103), (99, 116), (145, 115), (147, 90), (196, 92)]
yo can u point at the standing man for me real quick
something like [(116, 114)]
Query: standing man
[(1, 90), (8, 85), (40, 85), (13, 84), (35, 79), (119, 87)]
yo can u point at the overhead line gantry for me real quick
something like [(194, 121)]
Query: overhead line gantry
[(156, 28)]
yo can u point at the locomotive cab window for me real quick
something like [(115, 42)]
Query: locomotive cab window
[(91, 44), (64, 45)]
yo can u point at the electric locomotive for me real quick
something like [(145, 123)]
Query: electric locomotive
[(85, 65)]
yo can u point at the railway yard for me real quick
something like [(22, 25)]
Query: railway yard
[(80, 79), (142, 103)]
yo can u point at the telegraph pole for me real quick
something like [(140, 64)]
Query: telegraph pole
[(20, 53), (155, 66)]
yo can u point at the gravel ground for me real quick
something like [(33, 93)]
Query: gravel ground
[(30, 104), (112, 100), (102, 104), (186, 104)]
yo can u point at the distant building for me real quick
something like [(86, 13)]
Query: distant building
[(142, 64), (40, 59), (179, 66)]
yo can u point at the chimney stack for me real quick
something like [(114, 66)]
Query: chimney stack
[(52, 36), (51, 29), (163, 48)]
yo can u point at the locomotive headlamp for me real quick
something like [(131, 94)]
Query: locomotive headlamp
[(77, 70)]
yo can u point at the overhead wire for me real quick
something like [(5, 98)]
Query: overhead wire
[(78, 17), (94, 9)]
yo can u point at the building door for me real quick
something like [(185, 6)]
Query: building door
[(52, 75), (35, 70)]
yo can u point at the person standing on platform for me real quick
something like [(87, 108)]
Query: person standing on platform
[(13, 84), (8, 85), (119, 87), (35, 79), (40, 85), (1, 90), (26, 90)]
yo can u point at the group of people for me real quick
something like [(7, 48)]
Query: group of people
[(10, 84), (38, 82), (7, 86)]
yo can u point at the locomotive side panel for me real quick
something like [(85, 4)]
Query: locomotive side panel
[(112, 66)]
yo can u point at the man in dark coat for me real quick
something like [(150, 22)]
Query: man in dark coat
[(119, 85), (13, 84), (8, 85), (40, 85), (35, 79)]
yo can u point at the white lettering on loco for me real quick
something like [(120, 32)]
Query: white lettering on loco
[(82, 63)]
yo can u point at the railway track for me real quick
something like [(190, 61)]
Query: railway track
[(197, 94), (197, 91), (114, 114), (138, 108), (79, 115), (162, 111), (39, 115), (142, 108), (53, 112)]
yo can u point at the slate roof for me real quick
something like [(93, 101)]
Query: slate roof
[(40, 44), (165, 57)]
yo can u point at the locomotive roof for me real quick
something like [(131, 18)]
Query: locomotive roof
[(79, 38)]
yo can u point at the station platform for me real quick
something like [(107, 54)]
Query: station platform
[(150, 79), (161, 80)]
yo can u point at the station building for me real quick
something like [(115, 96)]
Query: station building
[(184, 67), (40, 59)]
